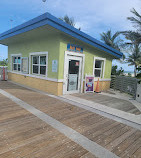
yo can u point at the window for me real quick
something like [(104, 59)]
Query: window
[(24, 65), (39, 65), (99, 66), (16, 63)]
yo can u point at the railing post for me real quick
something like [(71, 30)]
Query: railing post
[(3, 73)]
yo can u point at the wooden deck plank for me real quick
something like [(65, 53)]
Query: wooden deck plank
[(30, 135), (131, 149), (126, 143), (137, 154), (88, 155), (119, 137)]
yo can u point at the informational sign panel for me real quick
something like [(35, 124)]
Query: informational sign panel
[(54, 65), (72, 82), (25, 64), (89, 83), (74, 48)]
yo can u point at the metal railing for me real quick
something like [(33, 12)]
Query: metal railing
[(124, 84)]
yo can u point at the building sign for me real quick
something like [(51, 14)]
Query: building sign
[(72, 82), (89, 84), (74, 48), (54, 65)]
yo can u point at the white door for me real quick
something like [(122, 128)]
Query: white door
[(72, 76)]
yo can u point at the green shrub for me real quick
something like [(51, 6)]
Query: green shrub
[(138, 76)]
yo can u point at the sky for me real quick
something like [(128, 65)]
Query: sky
[(93, 16)]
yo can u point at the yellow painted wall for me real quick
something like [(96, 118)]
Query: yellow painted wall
[(51, 87), (103, 85)]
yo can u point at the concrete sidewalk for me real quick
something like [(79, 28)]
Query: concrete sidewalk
[(110, 104), (119, 102)]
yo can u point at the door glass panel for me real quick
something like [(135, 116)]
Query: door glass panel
[(98, 63), (73, 75), (97, 73)]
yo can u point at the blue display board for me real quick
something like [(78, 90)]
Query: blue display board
[(74, 48)]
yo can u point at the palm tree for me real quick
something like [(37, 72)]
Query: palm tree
[(69, 21), (111, 40), (134, 41), (134, 46), (135, 57), (135, 35), (4, 62), (136, 20)]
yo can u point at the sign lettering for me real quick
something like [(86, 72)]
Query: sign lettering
[(74, 48)]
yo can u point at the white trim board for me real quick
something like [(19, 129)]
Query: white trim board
[(101, 79), (68, 53), (36, 54), (14, 55), (3, 66), (103, 59)]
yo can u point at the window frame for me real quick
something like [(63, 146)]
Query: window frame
[(102, 68), (24, 58), (12, 63), (31, 55), (39, 65)]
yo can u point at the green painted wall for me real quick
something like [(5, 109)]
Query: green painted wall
[(56, 45), (48, 44), (89, 51)]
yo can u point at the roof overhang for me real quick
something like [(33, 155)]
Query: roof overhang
[(48, 19)]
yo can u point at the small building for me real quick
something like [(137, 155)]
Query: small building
[(47, 54)]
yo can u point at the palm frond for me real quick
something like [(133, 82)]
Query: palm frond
[(132, 36), (111, 40), (68, 20), (137, 19), (115, 35)]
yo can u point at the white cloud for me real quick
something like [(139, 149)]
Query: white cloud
[(96, 16), (93, 16)]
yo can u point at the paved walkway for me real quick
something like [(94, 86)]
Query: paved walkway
[(110, 101), (25, 133), (110, 112)]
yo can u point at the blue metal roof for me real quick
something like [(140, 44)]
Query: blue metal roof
[(48, 19)]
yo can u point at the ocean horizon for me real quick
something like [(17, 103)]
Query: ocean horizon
[(129, 72)]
